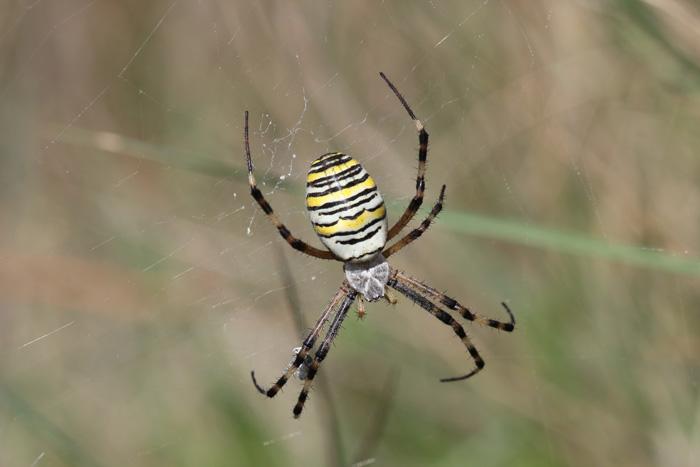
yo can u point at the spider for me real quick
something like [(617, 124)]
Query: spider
[(349, 216)]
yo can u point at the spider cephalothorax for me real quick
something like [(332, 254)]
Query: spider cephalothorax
[(349, 216)]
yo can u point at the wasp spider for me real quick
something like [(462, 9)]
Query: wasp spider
[(349, 216)]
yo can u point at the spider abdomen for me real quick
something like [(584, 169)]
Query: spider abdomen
[(346, 208)]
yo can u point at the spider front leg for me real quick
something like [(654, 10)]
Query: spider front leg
[(443, 316), (296, 243), (322, 351), (452, 304), (307, 344)]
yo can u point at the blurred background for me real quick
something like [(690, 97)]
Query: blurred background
[(140, 284)]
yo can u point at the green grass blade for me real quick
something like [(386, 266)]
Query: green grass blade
[(569, 242)]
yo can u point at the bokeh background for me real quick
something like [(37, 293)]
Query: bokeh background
[(140, 284)]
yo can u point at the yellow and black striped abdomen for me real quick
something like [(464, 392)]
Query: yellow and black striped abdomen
[(345, 208)]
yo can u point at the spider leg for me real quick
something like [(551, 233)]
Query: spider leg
[(390, 297), (360, 308), (452, 304), (296, 243), (415, 233), (323, 349), (307, 344), (420, 178), (443, 316)]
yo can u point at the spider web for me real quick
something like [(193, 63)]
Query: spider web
[(140, 283)]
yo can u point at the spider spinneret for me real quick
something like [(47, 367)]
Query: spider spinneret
[(349, 216)]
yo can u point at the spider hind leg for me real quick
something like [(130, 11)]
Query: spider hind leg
[(417, 200), (294, 242)]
